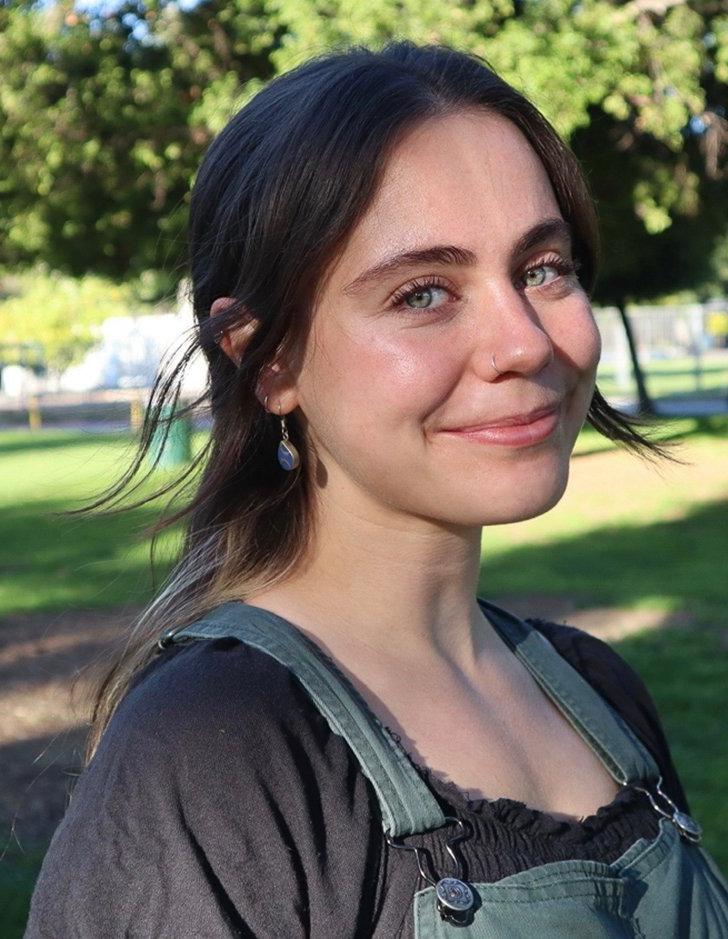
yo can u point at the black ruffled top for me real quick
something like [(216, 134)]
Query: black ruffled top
[(509, 836)]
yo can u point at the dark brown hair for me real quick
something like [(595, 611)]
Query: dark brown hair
[(276, 197)]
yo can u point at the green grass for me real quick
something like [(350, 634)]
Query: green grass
[(674, 377), (673, 564), (18, 873), (625, 537), (625, 533), (636, 538), (686, 671), (51, 562)]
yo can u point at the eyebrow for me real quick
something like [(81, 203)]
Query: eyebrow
[(548, 229)]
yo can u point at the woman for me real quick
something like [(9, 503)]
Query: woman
[(322, 730)]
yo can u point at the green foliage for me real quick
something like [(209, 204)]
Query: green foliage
[(104, 116), (97, 150), (567, 57), (57, 313)]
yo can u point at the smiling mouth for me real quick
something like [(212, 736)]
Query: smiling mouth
[(514, 431)]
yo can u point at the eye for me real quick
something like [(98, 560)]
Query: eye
[(427, 294), (538, 271)]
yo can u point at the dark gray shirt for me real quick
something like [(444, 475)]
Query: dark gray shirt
[(220, 803)]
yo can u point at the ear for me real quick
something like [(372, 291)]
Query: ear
[(276, 382), (234, 340), (276, 389)]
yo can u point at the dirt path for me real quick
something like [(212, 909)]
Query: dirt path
[(42, 726)]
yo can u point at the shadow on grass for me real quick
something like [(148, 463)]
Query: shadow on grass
[(18, 873), (42, 771), (34, 796), (29, 441), (33, 665), (681, 562), (686, 672), (54, 562)]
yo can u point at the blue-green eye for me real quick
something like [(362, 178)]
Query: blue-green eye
[(536, 270), (560, 265), (423, 298), (423, 295)]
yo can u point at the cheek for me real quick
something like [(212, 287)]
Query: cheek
[(576, 340), (376, 378)]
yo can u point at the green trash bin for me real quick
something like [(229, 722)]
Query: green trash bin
[(170, 444)]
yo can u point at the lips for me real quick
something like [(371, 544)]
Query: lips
[(511, 420)]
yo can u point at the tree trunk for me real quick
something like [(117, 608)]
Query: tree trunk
[(645, 401)]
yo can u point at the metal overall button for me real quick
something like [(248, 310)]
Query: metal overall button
[(455, 898), (169, 638), (688, 828)]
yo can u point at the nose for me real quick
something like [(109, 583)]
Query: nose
[(510, 334)]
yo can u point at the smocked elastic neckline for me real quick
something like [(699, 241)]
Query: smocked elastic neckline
[(518, 816)]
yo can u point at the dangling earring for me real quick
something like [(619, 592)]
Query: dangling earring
[(287, 453)]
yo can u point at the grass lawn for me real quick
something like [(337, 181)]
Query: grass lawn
[(625, 536), (674, 378)]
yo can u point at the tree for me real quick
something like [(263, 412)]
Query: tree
[(639, 89), (105, 116), (101, 131)]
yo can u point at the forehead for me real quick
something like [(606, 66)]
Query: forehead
[(469, 178)]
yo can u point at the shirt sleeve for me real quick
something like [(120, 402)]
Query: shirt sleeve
[(218, 804), (618, 683)]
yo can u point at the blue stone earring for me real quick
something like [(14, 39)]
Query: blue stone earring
[(288, 456)]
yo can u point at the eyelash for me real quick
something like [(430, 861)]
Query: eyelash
[(559, 264)]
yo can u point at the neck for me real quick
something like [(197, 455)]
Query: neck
[(403, 587)]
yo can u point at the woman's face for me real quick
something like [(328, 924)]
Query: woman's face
[(444, 277)]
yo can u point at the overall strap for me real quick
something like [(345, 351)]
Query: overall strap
[(614, 742), (407, 805)]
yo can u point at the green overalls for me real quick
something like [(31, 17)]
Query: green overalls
[(665, 888)]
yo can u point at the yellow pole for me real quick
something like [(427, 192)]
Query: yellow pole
[(135, 414), (34, 418)]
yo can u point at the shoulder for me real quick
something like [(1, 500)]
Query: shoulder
[(599, 663), (226, 718), (622, 687), (195, 691), (215, 775), (212, 714)]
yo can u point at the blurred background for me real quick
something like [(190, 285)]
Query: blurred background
[(105, 112)]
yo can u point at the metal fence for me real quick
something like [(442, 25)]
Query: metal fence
[(683, 350)]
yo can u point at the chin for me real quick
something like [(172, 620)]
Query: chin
[(498, 511), (521, 511), (513, 503)]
